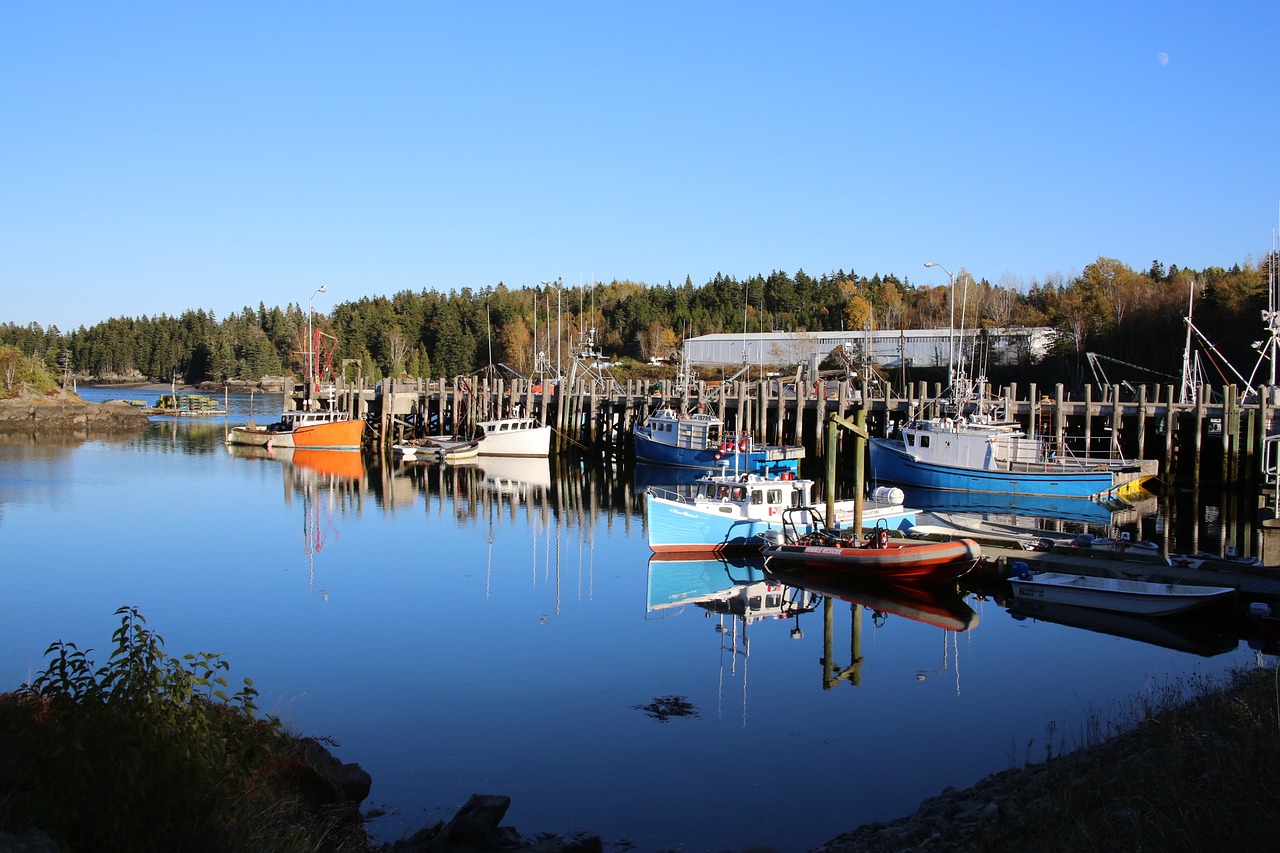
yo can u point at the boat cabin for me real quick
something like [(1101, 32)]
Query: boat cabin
[(693, 432), (754, 496), (959, 443)]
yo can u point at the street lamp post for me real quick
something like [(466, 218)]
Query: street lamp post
[(310, 351), (951, 355)]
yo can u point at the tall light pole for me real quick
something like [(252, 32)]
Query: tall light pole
[(951, 355), (310, 352)]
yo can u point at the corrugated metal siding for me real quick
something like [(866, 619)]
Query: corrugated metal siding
[(922, 347)]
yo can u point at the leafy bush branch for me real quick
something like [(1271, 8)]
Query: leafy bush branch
[(144, 752)]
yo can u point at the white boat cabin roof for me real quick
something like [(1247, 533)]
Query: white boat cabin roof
[(508, 425)]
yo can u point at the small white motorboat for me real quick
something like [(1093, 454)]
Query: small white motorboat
[(438, 449), (1120, 595)]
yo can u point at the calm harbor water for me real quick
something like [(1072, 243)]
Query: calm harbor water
[(500, 628)]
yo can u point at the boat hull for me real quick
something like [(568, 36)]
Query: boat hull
[(438, 449), (897, 562), (330, 436), (334, 435), (892, 465), (1118, 595), (658, 453), (514, 437)]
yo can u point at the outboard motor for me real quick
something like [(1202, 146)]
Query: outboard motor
[(772, 537)]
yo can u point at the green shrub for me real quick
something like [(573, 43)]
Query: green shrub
[(146, 752)]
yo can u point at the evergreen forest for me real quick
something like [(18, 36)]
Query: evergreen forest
[(1134, 319)]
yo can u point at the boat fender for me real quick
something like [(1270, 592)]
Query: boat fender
[(743, 445), (1020, 570), (888, 495), (746, 478), (882, 538)]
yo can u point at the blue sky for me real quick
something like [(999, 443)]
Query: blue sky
[(162, 156)]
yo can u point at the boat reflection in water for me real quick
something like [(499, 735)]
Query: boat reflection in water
[(645, 475), (940, 605), (515, 475), (325, 481), (737, 590), (1033, 510), (1205, 633), (738, 587), (743, 589)]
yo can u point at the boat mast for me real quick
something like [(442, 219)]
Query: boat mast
[(311, 364), (1187, 394), (1270, 348)]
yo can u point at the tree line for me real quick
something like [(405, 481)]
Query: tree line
[(1132, 317)]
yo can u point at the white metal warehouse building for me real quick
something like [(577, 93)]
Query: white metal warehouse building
[(917, 347)]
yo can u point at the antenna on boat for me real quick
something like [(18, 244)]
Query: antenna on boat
[(311, 364), (1270, 348)]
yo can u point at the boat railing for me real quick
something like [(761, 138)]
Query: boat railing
[(1078, 454), (804, 524), (667, 493)]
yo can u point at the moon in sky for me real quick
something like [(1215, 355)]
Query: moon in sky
[(1163, 57)]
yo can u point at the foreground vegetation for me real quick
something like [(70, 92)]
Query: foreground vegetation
[(150, 752), (1203, 775), (1131, 316), (1191, 767)]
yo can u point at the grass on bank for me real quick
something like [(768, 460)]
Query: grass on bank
[(1196, 767), (151, 752)]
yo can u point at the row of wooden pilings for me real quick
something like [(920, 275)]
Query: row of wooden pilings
[(596, 417)]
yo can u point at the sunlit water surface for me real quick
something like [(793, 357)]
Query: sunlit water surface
[(500, 628)]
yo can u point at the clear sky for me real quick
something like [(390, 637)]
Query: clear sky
[(161, 156)]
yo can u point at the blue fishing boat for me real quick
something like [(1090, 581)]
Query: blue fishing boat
[(728, 511), (698, 439), (971, 446)]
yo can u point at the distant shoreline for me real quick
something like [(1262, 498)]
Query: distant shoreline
[(134, 386)]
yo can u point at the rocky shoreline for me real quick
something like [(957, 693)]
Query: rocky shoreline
[(66, 413)]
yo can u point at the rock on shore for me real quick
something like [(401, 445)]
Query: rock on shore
[(67, 413)]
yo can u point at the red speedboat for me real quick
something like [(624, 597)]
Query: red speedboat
[(879, 557)]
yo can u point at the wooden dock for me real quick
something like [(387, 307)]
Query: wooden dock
[(1222, 442)]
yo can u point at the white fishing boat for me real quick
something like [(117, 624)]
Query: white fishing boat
[(1119, 595), (514, 437)]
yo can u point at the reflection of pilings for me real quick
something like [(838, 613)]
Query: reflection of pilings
[(832, 674)]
